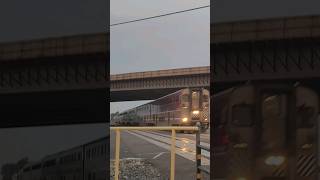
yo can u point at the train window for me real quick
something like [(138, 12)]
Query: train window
[(26, 169), (205, 98), (185, 98), (305, 116), (242, 115), (38, 166), (195, 100), (102, 150), (205, 101)]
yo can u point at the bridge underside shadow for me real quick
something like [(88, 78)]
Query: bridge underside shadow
[(145, 94), (142, 94), (53, 108), (283, 60), (266, 60), (313, 83)]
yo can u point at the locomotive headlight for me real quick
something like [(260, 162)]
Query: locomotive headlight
[(274, 160), (195, 112), (185, 119)]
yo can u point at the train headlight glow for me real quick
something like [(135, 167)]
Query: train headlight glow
[(274, 160), (241, 178), (195, 112), (185, 119)]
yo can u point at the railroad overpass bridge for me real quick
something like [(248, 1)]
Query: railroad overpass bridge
[(266, 49), (51, 81), (282, 49), (63, 63), (154, 84)]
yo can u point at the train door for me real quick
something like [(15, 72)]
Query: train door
[(195, 105), (241, 133), (274, 135), (307, 137), (205, 113), (153, 120), (183, 117)]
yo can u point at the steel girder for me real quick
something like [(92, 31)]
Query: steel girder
[(265, 60), (67, 73), (201, 80)]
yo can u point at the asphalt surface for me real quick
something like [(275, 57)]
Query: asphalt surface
[(155, 147)]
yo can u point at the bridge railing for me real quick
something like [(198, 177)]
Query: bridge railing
[(173, 130), (54, 47), (266, 29), (161, 73)]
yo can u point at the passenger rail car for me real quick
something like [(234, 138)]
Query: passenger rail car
[(186, 107), (86, 162), (265, 132)]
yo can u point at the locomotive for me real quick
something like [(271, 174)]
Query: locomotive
[(85, 162), (186, 107), (266, 131)]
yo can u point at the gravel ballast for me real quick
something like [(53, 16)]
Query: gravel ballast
[(136, 169)]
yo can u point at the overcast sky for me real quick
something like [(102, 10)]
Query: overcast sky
[(176, 41)]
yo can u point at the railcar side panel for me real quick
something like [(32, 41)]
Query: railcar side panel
[(266, 132)]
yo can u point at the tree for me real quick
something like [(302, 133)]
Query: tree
[(9, 169), (22, 162), (134, 119)]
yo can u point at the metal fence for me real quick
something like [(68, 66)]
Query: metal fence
[(200, 167), (173, 130)]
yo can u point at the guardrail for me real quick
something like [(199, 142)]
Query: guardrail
[(173, 130)]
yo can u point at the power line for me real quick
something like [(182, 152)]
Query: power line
[(158, 16)]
